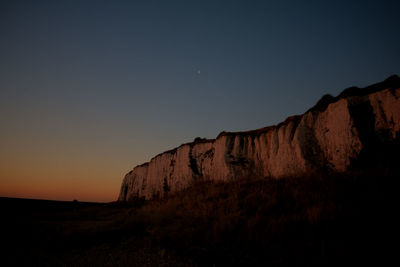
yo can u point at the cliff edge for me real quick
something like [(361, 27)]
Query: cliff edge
[(358, 127)]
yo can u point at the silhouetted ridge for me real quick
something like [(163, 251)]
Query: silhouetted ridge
[(391, 82)]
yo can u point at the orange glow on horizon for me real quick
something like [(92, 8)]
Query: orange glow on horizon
[(61, 192), (85, 181)]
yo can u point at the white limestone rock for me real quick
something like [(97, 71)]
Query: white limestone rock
[(328, 137)]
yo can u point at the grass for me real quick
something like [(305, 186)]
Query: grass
[(286, 222), (298, 221)]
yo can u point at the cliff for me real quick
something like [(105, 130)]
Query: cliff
[(338, 134)]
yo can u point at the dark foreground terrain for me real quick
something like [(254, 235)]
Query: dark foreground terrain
[(305, 221)]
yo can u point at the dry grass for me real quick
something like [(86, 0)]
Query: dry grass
[(302, 221)]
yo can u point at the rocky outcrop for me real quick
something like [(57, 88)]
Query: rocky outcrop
[(336, 135)]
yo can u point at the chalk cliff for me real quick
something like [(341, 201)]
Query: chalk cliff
[(338, 134)]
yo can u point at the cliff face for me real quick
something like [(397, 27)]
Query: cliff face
[(336, 135)]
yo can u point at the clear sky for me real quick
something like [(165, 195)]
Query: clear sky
[(89, 89)]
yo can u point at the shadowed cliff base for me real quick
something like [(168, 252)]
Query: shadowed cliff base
[(296, 221)]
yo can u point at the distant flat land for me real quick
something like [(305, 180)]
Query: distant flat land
[(62, 233)]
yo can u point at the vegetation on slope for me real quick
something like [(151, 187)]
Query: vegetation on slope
[(294, 221), (302, 221)]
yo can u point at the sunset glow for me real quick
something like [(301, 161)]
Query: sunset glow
[(88, 91)]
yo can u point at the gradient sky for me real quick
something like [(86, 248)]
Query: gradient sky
[(89, 89)]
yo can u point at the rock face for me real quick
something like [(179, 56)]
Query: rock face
[(336, 135)]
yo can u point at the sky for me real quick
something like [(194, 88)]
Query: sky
[(90, 89)]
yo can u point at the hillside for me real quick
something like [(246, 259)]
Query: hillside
[(336, 220)]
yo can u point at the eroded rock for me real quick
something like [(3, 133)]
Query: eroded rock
[(333, 136)]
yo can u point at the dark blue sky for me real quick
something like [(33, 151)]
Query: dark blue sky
[(88, 89)]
